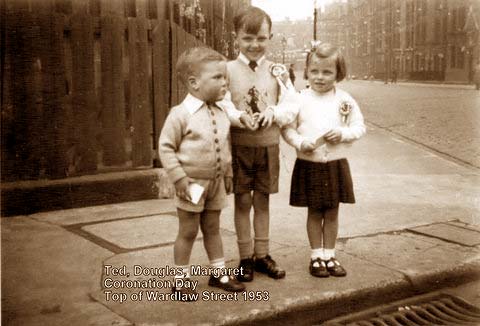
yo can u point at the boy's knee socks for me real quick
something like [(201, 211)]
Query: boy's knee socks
[(245, 248), (261, 247)]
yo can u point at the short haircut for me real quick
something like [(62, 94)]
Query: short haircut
[(190, 61), (326, 50), (251, 19)]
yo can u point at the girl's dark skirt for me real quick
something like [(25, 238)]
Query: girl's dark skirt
[(321, 185)]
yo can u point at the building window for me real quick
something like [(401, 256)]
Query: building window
[(438, 26), (410, 14), (453, 18), (460, 58), (396, 38), (460, 18), (453, 56)]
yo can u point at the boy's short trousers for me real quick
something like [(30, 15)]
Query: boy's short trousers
[(214, 196), (255, 168)]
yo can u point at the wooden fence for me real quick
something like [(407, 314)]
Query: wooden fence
[(86, 85)]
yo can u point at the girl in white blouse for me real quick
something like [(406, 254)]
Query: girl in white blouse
[(326, 120)]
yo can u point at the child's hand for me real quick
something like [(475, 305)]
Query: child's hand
[(265, 119), (229, 185), (248, 122), (307, 146), (181, 188), (334, 136)]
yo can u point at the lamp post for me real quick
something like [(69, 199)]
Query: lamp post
[(315, 20), (388, 41), (284, 45)]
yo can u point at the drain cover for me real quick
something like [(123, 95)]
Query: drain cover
[(430, 309)]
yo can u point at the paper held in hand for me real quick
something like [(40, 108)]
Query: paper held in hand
[(195, 190)]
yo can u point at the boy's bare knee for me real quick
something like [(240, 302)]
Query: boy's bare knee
[(188, 235), (260, 200), (210, 221), (243, 201), (208, 234), (210, 228)]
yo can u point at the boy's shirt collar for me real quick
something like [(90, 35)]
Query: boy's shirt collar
[(193, 104), (246, 61)]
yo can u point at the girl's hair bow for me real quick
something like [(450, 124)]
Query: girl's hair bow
[(314, 45)]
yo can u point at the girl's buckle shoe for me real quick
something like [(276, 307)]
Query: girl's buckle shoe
[(318, 268), (268, 266), (335, 269), (231, 285)]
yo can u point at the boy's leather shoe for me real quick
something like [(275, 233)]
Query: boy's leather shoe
[(268, 266), (231, 285), (247, 267), (318, 268), (335, 269), (185, 294)]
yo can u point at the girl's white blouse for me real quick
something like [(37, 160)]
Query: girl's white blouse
[(309, 115)]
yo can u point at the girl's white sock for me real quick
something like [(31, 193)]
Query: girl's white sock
[(329, 253), (220, 264), (316, 253)]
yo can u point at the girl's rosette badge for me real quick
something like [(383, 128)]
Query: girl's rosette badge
[(345, 109)]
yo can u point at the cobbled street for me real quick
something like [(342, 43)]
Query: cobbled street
[(442, 118)]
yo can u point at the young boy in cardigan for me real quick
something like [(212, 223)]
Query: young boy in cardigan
[(194, 149), (255, 89)]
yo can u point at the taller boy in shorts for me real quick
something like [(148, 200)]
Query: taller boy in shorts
[(255, 153)]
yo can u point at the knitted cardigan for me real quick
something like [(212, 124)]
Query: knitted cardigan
[(195, 143)]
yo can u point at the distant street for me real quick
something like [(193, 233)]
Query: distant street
[(444, 118)]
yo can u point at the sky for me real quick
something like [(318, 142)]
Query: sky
[(295, 10)]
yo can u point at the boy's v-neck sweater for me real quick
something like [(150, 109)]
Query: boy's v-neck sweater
[(242, 79)]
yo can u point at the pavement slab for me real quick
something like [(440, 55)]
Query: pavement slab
[(106, 212), (451, 233), (48, 275), (137, 232), (418, 257)]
